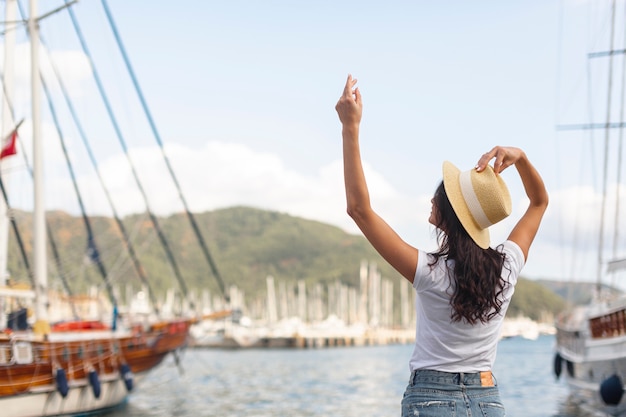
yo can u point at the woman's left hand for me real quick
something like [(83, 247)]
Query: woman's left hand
[(505, 157), (350, 106)]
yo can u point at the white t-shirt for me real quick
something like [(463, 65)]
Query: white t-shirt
[(456, 346)]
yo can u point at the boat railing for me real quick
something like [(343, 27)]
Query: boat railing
[(17, 352), (571, 341)]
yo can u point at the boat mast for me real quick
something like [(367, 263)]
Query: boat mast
[(39, 222)]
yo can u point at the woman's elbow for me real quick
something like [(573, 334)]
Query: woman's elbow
[(544, 201), (352, 212), (356, 212), (541, 202)]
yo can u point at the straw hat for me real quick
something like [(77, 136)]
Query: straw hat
[(479, 199)]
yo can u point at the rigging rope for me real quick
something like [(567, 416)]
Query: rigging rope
[(122, 142), (18, 236), (51, 241), (157, 137), (92, 246)]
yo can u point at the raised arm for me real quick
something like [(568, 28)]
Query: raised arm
[(399, 254), (526, 228)]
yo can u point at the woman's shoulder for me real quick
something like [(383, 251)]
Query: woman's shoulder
[(428, 259), (513, 252), (430, 267)]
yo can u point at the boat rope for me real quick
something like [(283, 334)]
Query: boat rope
[(18, 236), (53, 246), (157, 137), (139, 270), (122, 142), (94, 254)]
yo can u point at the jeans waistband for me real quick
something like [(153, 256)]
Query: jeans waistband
[(483, 379)]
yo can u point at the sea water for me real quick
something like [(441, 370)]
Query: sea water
[(342, 381)]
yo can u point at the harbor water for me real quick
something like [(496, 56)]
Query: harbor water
[(342, 381)]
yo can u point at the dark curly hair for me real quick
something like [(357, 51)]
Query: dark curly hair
[(477, 276)]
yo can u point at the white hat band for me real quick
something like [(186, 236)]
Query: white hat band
[(467, 189)]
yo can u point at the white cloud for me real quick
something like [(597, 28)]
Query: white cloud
[(223, 175), (219, 175), (71, 63)]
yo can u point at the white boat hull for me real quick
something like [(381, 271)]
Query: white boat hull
[(79, 400)]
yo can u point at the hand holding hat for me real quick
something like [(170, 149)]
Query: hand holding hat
[(505, 157), (479, 197)]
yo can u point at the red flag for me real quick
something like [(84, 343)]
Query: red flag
[(9, 147)]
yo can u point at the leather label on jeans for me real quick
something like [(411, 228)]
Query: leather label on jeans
[(486, 379)]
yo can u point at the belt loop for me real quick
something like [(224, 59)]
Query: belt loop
[(461, 379)]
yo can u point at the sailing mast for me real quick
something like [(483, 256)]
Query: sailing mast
[(40, 267), (39, 224)]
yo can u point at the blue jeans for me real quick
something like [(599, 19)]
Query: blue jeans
[(445, 394)]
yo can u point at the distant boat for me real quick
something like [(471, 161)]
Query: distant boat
[(591, 339), (227, 330), (520, 327), (591, 352), (77, 366)]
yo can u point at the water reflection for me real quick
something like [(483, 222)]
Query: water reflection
[(347, 382)]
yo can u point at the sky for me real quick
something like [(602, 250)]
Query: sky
[(242, 96)]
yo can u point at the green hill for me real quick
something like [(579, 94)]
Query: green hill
[(534, 300), (246, 244)]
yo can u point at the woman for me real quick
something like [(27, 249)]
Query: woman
[(464, 288)]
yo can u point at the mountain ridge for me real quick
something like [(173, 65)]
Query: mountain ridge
[(247, 245)]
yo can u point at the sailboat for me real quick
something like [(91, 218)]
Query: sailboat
[(78, 366), (591, 339)]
